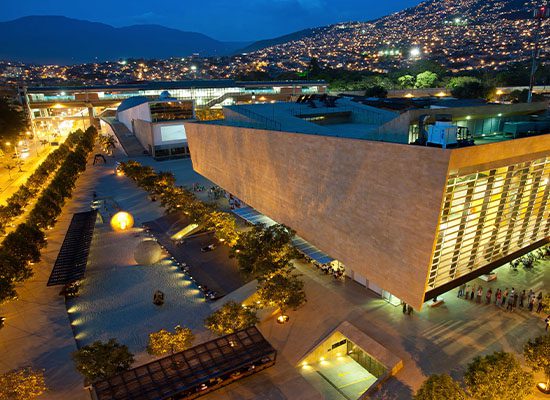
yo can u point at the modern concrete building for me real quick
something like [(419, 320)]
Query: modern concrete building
[(408, 221), (59, 109), (158, 124)]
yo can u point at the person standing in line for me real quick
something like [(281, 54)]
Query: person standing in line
[(515, 301), (467, 292), (512, 292), (488, 296), (504, 296), (498, 297), (510, 301), (461, 289), (479, 294), (531, 303), (522, 298)]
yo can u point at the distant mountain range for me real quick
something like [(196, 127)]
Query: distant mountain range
[(457, 33), (61, 40)]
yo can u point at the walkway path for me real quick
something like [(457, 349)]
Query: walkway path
[(435, 340), (37, 330)]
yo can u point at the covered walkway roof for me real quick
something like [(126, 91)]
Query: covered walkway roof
[(192, 372), (71, 261), (254, 217)]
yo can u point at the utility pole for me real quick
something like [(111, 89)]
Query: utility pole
[(539, 14)]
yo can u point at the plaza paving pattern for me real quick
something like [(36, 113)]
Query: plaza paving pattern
[(435, 340)]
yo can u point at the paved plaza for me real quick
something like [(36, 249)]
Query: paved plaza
[(116, 301)]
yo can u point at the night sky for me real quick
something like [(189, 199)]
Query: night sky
[(240, 20)]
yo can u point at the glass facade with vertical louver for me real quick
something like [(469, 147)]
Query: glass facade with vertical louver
[(488, 215)]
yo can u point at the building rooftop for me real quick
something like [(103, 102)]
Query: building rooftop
[(167, 85), (397, 121), (320, 115)]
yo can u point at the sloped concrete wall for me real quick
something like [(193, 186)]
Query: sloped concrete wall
[(374, 206)]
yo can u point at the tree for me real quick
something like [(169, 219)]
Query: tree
[(498, 376), (99, 361), (230, 318), (224, 225), (537, 354), (468, 87), (520, 96), (438, 387), (282, 289), (12, 121), (425, 79), (22, 384), (376, 91), (107, 142), (264, 249), (164, 342), (406, 81)]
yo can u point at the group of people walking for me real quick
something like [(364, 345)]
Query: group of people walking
[(508, 299)]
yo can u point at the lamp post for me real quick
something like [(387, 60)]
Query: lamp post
[(539, 14)]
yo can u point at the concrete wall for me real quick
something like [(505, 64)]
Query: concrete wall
[(494, 155), (141, 111), (374, 206), (143, 132)]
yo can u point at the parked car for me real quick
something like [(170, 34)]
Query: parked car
[(208, 248)]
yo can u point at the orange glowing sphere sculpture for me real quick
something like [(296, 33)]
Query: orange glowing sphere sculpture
[(122, 221)]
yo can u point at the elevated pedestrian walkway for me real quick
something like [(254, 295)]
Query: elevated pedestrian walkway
[(131, 145)]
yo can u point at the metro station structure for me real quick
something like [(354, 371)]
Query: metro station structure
[(413, 202)]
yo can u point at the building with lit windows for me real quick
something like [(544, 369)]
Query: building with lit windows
[(59, 109), (157, 124), (412, 202)]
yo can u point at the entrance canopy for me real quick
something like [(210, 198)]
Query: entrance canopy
[(254, 217)]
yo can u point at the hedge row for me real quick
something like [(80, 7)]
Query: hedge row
[(21, 248), (17, 202), (175, 198)]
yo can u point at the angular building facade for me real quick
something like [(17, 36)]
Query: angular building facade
[(407, 221)]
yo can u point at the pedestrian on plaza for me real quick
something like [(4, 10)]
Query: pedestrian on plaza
[(472, 293), (522, 298), (539, 305), (498, 297), (504, 296), (409, 309), (461, 289), (531, 303), (547, 320), (488, 296), (479, 294), (467, 292), (515, 301), (404, 307), (509, 305)]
